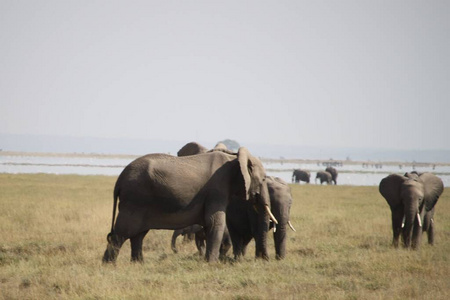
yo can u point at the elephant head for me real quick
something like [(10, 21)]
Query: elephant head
[(410, 197)]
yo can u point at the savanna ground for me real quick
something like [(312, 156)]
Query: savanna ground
[(53, 235)]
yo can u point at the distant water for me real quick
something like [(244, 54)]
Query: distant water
[(349, 174)]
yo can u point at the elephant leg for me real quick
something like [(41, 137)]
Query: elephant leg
[(226, 244), (200, 238), (397, 218), (115, 242), (430, 232), (127, 225), (136, 247), (238, 244), (417, 233), (215, 227), (279, 238), (175, 234), (190, 236)]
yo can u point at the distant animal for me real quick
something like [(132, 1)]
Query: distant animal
[(334, 174), (300, 175), (412, 199), (160, 191), (323, 176)]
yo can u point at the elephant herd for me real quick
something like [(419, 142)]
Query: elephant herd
[(225, 200), (220, 195), (329, 176)]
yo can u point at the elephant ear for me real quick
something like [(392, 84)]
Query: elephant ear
[(191, 148), (390, 189), (433, 188), (245, 167)]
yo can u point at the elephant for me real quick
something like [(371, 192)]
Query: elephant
[(334, 174), (324, 176), (161, 191), (300, 175), (242, 219), (191, 148), (411, 198), (200, 238)]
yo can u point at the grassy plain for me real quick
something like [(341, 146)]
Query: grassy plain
[(53, 234)]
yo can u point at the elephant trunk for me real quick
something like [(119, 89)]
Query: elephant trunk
[(263, 224), (412, 226), (279, 237)]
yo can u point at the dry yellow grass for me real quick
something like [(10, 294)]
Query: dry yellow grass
[(53, 234)]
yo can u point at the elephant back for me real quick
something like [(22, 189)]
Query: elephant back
[(191, 148)]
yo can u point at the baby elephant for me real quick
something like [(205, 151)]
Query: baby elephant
[(324, 176), (200, 239)]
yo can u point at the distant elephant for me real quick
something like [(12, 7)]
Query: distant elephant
[(242, 219), (412, 199), (191, 148), (300, 175), (160, 191), (200, 239), (334, 174), (324, 176)]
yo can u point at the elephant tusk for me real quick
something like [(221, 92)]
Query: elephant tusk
[(292, 227), (270, 214), (274, 228), (418, 219), (403, 222)]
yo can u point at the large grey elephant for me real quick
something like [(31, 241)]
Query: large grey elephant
[(334, 174), (300, 175), (324, 176), (412, 198), (200, 239), (243, 224), (159, 191)]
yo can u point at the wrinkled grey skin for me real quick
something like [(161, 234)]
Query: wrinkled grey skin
[(300, 175), (411, 197), (200, 239), (242, 219), (160, 191), (324, 176), (334, 174)]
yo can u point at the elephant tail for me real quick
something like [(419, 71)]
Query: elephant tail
[(116, 196)]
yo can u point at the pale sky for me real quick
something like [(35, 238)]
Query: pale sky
[(317, 73)]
